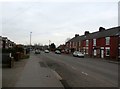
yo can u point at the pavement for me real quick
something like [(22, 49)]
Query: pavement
[(105, 60), (35, 75), (11, 75), (100, 59)]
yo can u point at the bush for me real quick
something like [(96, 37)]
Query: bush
[(25, 56)]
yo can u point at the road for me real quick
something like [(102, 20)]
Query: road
[(82, 72)]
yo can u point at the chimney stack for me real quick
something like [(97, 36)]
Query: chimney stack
[(76, 35), (86, 32), (101, 29)]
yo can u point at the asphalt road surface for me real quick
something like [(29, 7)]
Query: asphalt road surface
[(82, 72)]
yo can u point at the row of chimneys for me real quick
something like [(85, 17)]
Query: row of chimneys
[(87, 32)]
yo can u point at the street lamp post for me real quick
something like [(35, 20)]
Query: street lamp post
[(30, 40)]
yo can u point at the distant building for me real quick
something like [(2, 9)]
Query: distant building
[(45, 47), (104, 43), (62, 47), (6, 43)]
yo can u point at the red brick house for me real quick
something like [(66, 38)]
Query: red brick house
[(104, 43), (73, 44)]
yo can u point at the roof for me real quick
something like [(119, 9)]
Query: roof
[(106, 33), (99, 34)]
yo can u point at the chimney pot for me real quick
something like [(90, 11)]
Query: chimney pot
[(87, 32), (101, 29), (76, 35)]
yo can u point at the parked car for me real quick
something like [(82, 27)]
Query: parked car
[(78, 54), (46, 51), (57, 52), (37, 51)]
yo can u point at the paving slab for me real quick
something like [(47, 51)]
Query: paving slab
[(34, 75)]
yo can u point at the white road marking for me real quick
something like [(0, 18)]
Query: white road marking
[(84, 73)]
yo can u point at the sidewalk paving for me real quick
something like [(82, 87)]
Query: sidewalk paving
[(11, 75), (99, 59), (34, 75)]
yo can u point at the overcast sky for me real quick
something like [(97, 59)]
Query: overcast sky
[(55, 21)]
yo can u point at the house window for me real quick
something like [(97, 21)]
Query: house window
[(107, 51), (87, 42), (70, 44), (107, 40), (67, 44), (95, 52), (86, 50), (94, 42)]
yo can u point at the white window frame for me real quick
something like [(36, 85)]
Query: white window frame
[(86, 50), (70, 44), (94, 42), (107, 40), (95, 52), (107, 48), (87, 42)]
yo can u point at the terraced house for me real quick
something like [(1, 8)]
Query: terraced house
[(104, 43), (6, 43)]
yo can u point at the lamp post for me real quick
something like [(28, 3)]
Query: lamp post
[(30, 40)]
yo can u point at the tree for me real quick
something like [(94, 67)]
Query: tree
[(52, 46)]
